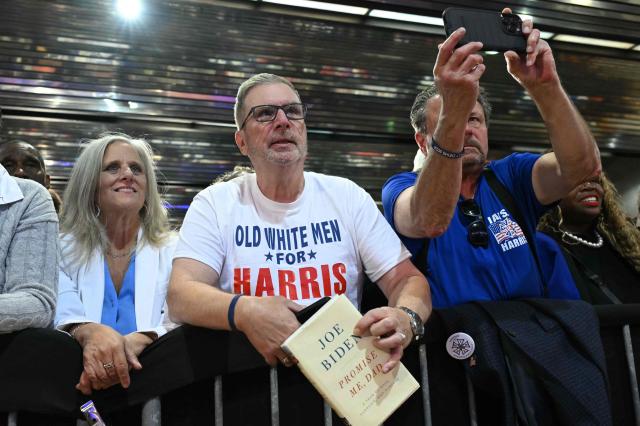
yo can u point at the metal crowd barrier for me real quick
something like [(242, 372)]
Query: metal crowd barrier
[(620, 317)]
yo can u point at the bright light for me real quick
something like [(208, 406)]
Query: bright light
[(129, 9), (546, 34), (593, 41), (637, 47), (332, 7), (111, 105), (408, 17)]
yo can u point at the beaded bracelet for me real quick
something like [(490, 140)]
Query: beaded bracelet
[(444, 152)]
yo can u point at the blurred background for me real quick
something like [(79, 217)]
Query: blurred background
[(169, 70)]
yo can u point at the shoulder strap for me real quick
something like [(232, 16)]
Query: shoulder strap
[(508, 201), (595, 278)]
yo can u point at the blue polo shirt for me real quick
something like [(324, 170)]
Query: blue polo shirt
[(459, 272)]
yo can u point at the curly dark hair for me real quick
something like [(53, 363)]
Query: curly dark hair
[(612, 224)]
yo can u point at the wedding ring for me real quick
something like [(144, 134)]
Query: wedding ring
[(108, 365), (286, 361)]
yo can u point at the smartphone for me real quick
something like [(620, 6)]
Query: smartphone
[(495, 30), (308, 311)]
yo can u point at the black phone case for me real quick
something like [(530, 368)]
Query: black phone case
[(484, 26), (308, 311)]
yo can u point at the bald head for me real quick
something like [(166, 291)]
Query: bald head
[(23, 160)]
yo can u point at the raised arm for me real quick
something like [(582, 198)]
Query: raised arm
[(193, 298), (576, 156), (426, 209), (31, 263)]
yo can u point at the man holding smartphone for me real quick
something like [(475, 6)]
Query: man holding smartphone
[(449, 216)]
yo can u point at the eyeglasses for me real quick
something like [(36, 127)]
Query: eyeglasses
[(266, 113), (476, 228)]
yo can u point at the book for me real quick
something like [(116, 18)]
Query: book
[(347, 369)]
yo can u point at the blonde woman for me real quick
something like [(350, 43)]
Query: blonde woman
[(115, 261)]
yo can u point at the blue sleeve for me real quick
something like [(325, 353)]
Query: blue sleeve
[(392, 189), (515, 172), (556, 273)]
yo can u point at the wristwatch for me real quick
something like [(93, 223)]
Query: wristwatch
[(417, 326)]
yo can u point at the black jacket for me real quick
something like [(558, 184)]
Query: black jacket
[(539, 361)]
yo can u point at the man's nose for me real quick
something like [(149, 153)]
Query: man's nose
[(281, 118)]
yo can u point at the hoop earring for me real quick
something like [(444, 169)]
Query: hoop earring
[(559, 215), (600, 222)]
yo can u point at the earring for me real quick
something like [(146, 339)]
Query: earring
[(97, 214), (559, 215)]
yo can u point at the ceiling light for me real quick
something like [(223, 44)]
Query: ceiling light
[(593, 41), (129, 9), (332, 7), (637, 47), (546, 34), (420, 19)]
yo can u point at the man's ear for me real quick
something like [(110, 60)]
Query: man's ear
[(47, 181), (239, 138), (421, 140)]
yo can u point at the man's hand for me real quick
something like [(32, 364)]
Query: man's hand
[(538, 67), (267, 322), (457, 74), (392, 328), (104, 359)]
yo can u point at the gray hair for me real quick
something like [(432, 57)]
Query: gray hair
[(80, 212), (418, 114), (256, 80)]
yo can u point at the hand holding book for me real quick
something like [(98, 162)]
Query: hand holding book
[(391, 327), (348, 369)]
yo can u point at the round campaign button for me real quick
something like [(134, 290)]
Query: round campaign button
[(460, 345)]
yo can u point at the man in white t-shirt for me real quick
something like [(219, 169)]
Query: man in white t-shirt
[(258, 248)]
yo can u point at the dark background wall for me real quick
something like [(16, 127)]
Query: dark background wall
[(70, 70)]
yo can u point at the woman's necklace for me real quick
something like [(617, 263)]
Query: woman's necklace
[(121, 255), (577, 239)]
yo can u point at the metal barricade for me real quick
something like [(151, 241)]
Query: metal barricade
[(620, 317)]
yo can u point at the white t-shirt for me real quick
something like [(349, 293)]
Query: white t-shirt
[(314, 247)]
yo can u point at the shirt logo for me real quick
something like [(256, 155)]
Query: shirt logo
[(506, 231)]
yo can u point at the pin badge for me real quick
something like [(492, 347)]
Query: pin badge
[(460, 345)]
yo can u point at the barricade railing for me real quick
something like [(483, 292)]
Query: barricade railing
[(624, 319)]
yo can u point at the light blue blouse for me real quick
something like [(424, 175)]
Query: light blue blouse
[(119, 310)]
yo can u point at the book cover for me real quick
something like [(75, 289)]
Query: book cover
[(346, 369)]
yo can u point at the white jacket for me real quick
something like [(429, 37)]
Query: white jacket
[(81, 291)]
